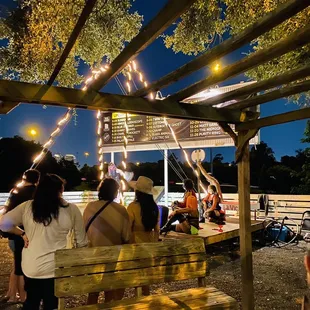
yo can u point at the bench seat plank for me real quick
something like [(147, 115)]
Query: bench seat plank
[(197, 298), (127, 265), (130, 278), (127, 252)]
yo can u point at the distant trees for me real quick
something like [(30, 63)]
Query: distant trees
[(289, 175), (16, 155)]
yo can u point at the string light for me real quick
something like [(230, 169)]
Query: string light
[(184, 152), (132, 68), (100, 143), (60, 125)]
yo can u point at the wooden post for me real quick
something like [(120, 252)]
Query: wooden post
[(245, 225)]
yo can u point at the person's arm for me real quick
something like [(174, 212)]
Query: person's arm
[(180, 211), (131, 216), (212, 180), (79, 228), (126, 228), (157, 227), (10, 221)]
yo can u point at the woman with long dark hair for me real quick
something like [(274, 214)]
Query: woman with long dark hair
[(47, 222), (186, 213), (143, 212), (143, 215)]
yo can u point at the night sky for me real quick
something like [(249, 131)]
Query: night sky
[(155, 62)]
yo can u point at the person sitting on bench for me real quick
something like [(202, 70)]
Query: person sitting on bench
[(186, 212), (212, 206)]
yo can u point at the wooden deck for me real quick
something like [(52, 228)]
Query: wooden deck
[(211, 232)]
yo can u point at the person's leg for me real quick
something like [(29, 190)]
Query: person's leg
[(50, 301), (168, 227), (92, 298), (21, 288), (146, 290), (11, 295), (113, 295), (34, 294), (19, 245)]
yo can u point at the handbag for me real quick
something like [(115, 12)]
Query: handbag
[(96, 214)]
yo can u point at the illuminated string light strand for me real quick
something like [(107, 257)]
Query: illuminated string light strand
[(60, 126), (48, 144), (100, 143), (132, 69), (95, 74), (185, 153)]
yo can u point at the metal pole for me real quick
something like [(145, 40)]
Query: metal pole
[(199, 195), (112, 157), (211, 160), (166, 177)]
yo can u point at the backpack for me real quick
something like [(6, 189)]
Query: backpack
[(192, 202)]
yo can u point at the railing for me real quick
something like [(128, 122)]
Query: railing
[(279, 206)]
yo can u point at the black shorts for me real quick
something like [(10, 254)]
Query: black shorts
[(37, 290), (19, 245)]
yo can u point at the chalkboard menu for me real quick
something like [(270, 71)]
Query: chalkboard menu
[(149, 129)]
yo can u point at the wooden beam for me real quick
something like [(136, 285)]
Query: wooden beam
[(243, 142), (75, 98), (292, 42), (276, 119), (263, 25), (247, 292), (7, 106), (72, 39), (285, 78), (273, 95), (169, 13), (226, 128)]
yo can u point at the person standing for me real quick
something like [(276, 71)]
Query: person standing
[(18, 195), (47, 222), (107, 223)]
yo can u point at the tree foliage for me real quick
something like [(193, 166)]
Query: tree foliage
[(207, 21), (37, 32), (16, 155)]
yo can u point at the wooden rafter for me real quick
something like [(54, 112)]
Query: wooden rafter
[(243, 141), (294, 40), (276, 119), (226, 128), (270, 96), (172, 10), (7, 106), (271, 20), (284, 78), (72, 39), (75, 98)]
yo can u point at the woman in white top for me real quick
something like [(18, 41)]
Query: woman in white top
[(47, 220)]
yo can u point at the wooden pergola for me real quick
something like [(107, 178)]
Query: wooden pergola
[(247, 123)]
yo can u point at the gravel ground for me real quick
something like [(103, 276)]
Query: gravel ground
[(279, 276)]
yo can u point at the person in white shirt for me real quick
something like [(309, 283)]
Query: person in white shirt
[(47, 221)]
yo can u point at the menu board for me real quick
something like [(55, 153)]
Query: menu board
[(151, 130)]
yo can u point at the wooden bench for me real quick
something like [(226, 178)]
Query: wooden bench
[(90, 270)]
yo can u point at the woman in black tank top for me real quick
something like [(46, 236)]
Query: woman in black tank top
[(212, 207)]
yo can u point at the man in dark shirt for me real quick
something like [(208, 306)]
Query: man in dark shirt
[(21, 193)]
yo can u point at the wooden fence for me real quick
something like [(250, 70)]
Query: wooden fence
[(279, 206)]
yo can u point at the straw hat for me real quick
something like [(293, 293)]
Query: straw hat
[(143, 185)]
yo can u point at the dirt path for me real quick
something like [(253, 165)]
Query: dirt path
[(279, 277)]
